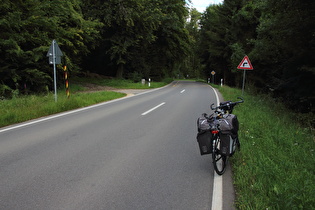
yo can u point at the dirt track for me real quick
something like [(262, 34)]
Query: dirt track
[(93, 88)]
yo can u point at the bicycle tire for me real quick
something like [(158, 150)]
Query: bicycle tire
[(219, 160), (236, 146)]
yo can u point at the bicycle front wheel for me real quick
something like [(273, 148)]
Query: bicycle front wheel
[(219, 161)]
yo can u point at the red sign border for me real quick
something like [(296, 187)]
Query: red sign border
[(249, 63)]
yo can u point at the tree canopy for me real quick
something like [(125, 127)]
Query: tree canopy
[(277, 35), (162, 38)]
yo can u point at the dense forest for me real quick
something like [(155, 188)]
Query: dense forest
[(157, 39)]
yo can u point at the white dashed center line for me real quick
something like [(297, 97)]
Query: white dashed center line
[(150, 110)]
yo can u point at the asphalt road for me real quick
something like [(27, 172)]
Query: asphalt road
[(138, 152)]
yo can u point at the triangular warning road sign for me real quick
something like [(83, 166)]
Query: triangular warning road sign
[(245, 64)]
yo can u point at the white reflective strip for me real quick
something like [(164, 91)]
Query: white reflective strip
[(217, 193)]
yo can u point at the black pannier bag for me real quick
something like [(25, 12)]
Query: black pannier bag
[(229, 124), (204, 141), (228, 133), (204, 135), (227, 144), (203, 123)]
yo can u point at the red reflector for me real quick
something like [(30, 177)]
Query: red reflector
[(215, 132)]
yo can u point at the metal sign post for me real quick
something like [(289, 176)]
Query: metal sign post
[(54, 53), (55, 74), (243, 87), (212, 73), (245, 64)]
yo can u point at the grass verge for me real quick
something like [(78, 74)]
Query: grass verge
[(29, 107), (275, 168)]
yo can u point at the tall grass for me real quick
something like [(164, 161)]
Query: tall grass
[(275, 168), (30, 107)]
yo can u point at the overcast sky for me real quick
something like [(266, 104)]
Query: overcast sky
[(201, 5)]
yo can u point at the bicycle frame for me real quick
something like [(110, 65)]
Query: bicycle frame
[(219, 161)]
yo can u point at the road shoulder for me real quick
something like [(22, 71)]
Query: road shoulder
[(228, 187)]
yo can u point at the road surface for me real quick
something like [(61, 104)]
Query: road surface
[(137, 152)]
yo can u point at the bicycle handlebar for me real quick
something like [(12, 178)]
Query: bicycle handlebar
[(227, 105)]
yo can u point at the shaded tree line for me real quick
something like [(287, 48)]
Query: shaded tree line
[(140, 37), (117, 38), (27, 30), (277, 35)]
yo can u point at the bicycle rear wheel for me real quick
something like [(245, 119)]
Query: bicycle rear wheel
[(219, 161)]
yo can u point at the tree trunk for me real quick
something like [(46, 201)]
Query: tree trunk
[(120, 71)]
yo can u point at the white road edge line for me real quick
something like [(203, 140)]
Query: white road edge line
[(150, 110), (217, 193), (23, 124), (182, 91)]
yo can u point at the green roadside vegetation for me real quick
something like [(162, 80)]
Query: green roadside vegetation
[(27, 107), (31, 107), (275, 167)]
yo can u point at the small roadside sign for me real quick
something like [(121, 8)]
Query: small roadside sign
[(245, 64), (54, 53)]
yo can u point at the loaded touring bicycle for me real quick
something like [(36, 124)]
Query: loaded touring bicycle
[(218, 134)]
